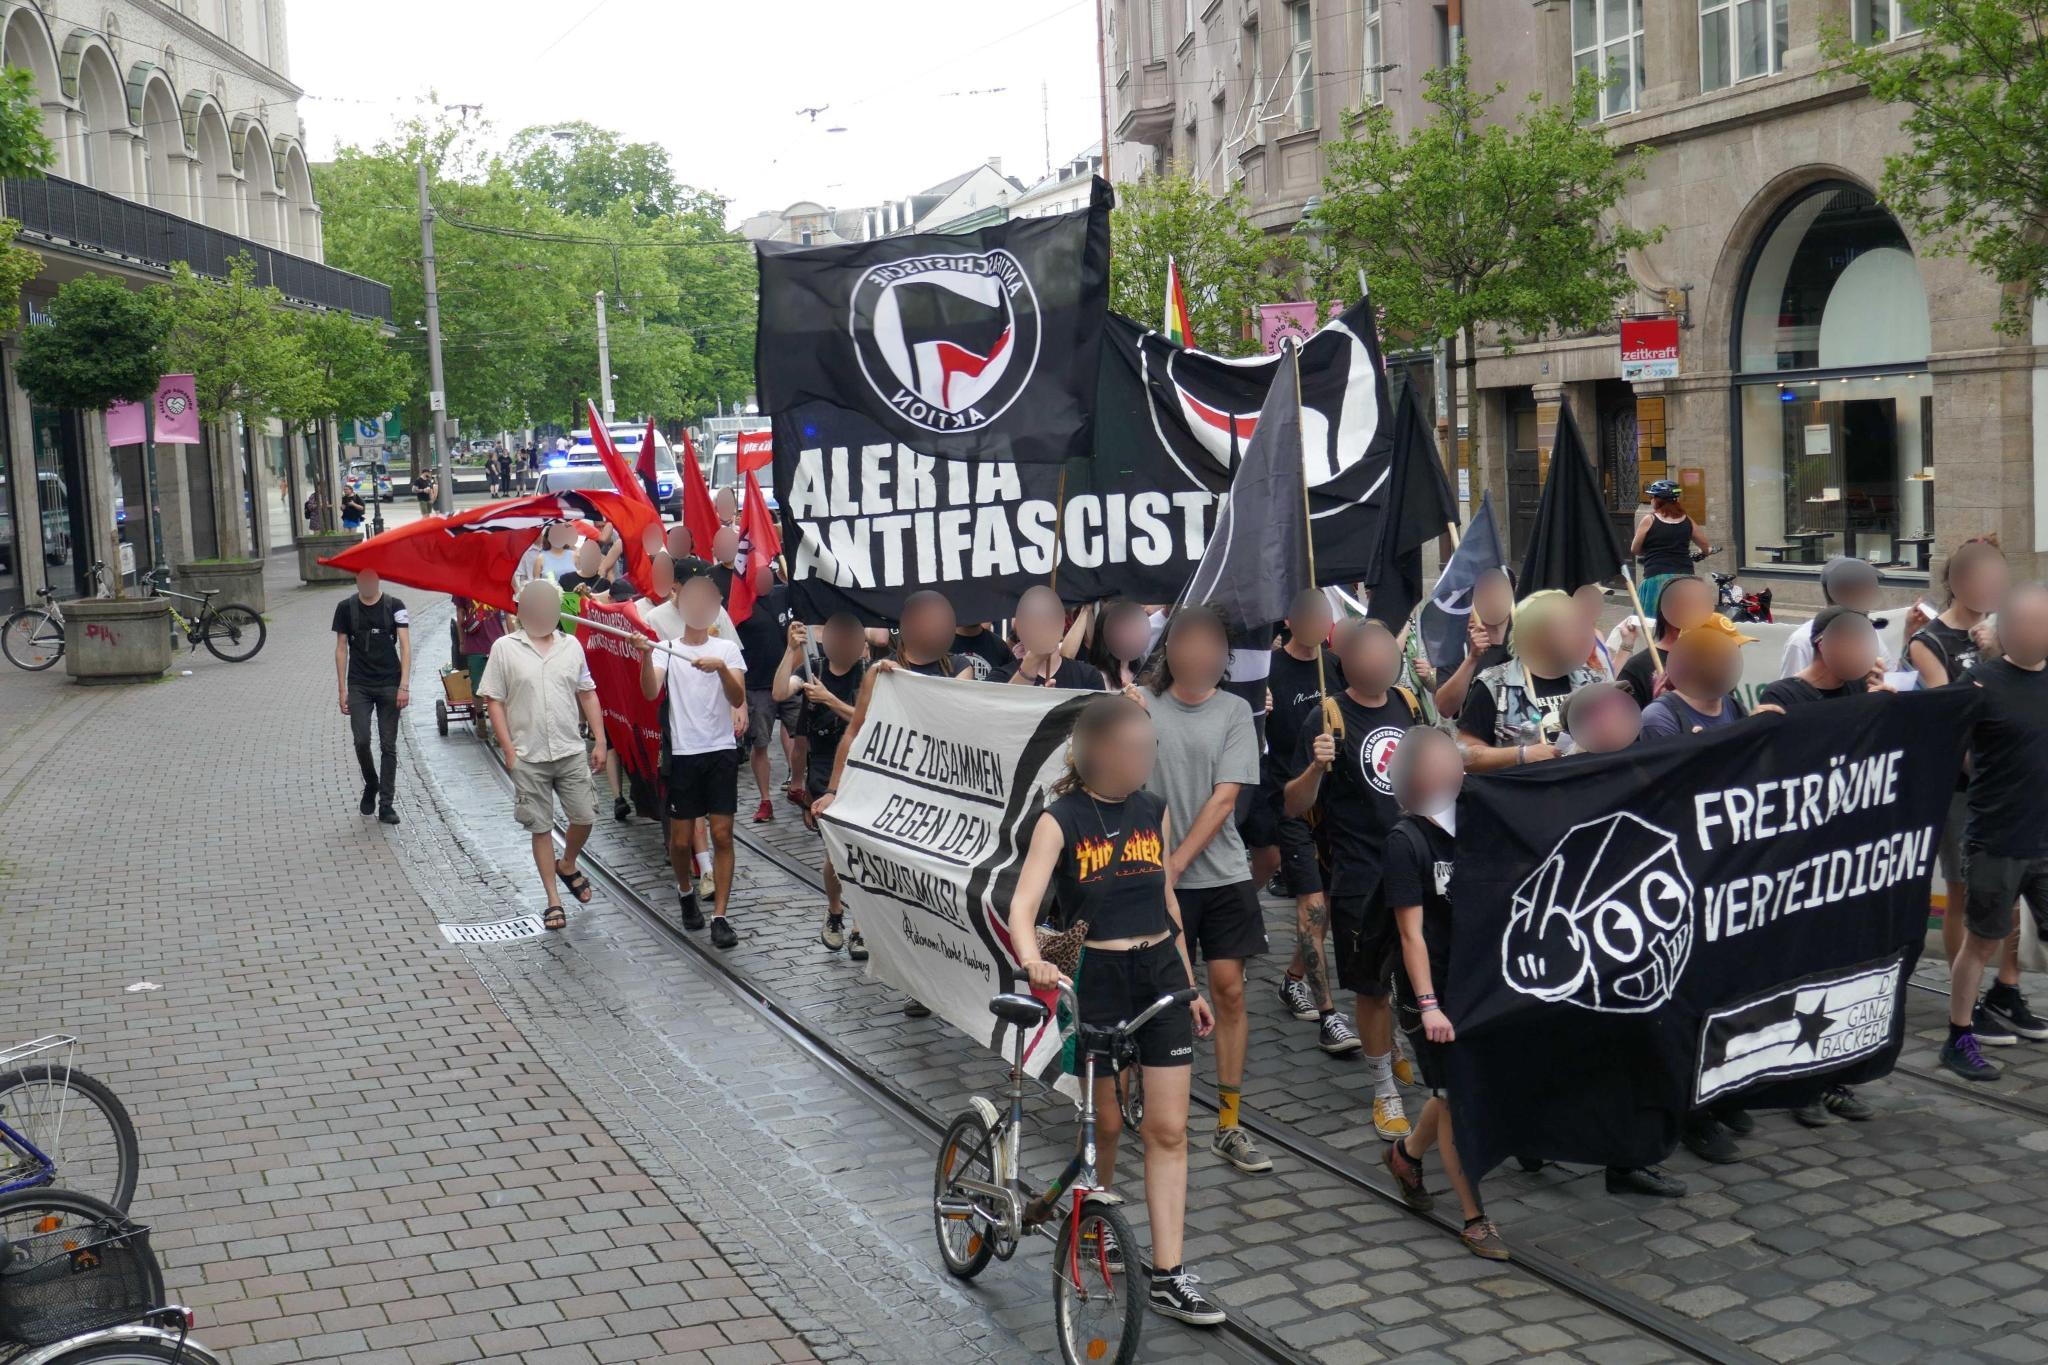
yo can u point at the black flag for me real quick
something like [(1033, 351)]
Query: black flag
[(1419, 506), (1573, 542), (1449, 608), (981, 345), (1257, 558)]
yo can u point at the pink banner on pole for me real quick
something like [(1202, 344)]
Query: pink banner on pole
[(177, 411), (1297, 322), (124, 424)]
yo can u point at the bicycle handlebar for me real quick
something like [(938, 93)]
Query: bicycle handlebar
[(1184, 996)]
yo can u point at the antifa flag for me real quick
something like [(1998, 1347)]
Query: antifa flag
[(1257, 557), (1724, 917), (1449, 609), (1419, 508), (1572, 543), (867, 521), (978, 345), (632, 723)]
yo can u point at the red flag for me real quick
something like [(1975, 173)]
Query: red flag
[(623, 477), (764, 546), (698, 514), (757, 450), (632, 723), (644, 464)]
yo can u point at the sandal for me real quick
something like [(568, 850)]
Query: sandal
[(555, 918), (578, 884)]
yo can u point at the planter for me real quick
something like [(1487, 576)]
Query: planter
[(119, 640), (314, 548), (238, 580)]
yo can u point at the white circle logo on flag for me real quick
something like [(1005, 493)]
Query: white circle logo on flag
[(948, 341), (1376, 757)]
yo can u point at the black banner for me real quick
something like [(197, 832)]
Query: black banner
[(977, 345), (1688, 922), (867, 520)]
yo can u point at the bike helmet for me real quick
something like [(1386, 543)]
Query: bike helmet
[(1663, 489)]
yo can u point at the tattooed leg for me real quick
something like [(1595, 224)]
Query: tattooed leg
[(1312, 925)]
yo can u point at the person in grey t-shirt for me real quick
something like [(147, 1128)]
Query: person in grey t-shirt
[(1207, 751)]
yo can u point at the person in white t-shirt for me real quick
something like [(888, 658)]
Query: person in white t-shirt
[(704, 676), (660, 611)]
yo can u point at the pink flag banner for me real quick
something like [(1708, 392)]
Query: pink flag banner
[(177, 411), (124, 424), (1296, 322)]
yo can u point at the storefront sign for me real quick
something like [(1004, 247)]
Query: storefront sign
[(1649, 349)]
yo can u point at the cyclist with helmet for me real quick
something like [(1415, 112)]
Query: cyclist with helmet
[(1665, 537)]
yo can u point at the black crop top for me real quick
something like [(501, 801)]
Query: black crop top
[(1112, 867)]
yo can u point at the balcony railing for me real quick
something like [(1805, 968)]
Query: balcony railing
[(97, 223)]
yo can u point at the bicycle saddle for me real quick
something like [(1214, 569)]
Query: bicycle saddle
[(1021, 1010)]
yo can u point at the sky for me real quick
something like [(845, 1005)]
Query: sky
[(719, 83)]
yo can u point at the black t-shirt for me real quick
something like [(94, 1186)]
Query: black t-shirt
[(1112, 869), (721, 574), (422, 484), (1356, 807), (1480, 715), (1667, 547), (1297, 701), (764, 637), (372, 633), (2009, 752), (1418, 872), (819, 723), (1072, 673), (946, 666), (1956, 650), (595, 584), (1795, 692), (1638, 676), (989, 648)]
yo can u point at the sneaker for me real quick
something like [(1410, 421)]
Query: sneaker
[(387, 815), (1962, 1056), (722, 935), (2009, 1008), (1175, 1295), (1296, 1000), (1843, 1103), (1813, 1114), (1335, 1037), (1112, 1253), (1737, 1121), (834, 935), (1389, 1119), (692, 912), (1991, 1031), (706, 888), (1235, 1146), (1407, 1173), (917, 1009), (622, 810), (1482, 1239), (1404, 1069), (764, 813), (368, 805), (1709, 1140), (1646, 1180), (856, 947)]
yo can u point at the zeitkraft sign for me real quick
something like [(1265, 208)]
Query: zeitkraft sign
[(1649, 349)]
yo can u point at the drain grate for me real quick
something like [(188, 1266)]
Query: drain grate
[(500, 931)]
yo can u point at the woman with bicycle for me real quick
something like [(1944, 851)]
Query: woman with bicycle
[(1101, 849)]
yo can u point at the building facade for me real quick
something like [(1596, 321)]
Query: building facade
[(1839, 388), (960, 203), (177, 137)]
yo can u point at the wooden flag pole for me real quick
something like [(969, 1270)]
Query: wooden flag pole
[(1333, 718), (1059, 523), (1643, 619)]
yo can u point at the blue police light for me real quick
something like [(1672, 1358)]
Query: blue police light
[(810, 432), (666, 487), (557, 462)]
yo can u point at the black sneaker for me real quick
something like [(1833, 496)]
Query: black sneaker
[(1647, 1180), (1962, 1056), (387, 815), (1991, 1030), (692, 913), (1737, 1121), (1708, 1140), (917, 1009), (622, 810), (856, 947), (722, 935), (1843, 1103), (1295, 999), (2006, 1005), (1813, 1114), (1112, 1252), (1176, 1296), (368, 805)]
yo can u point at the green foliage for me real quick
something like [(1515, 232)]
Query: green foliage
[(239, 342), (104, 343), (24, 149), (1975, 96), (1227, 265), (18, 265), (582, 170), (356, 371)]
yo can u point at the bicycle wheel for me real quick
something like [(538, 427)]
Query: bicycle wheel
[(965, 1244), (234, 633), (32, 639), (78, 1124), (1096, 1308)]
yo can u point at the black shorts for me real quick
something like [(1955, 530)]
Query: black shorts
[(1993, 888), (1301, 869), (1429, 1057), (1114, 986), (1223, 922), (703, 784), (1364, 938), (818, 768)]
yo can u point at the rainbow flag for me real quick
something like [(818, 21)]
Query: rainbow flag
[(1175, 327)]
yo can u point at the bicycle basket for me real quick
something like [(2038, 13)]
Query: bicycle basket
[(55, 1285)]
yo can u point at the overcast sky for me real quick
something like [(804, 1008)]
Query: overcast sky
[(718, 82)]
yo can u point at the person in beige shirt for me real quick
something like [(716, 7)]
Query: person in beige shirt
[(537, 687)]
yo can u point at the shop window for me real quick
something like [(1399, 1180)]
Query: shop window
[(1741, 40), (1834, 446), (1607, 39)]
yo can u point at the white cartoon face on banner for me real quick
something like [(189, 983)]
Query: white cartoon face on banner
[(948, 341), (1606, 922)]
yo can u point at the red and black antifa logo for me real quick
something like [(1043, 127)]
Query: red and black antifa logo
[(948, 340)]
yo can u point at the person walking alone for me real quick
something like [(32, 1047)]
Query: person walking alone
[(372, 661)]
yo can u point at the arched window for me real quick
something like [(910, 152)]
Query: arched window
[(1834, 441)]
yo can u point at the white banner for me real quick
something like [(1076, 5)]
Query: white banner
[(942, 789)]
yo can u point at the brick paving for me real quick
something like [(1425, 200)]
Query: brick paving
[(350, 1153)]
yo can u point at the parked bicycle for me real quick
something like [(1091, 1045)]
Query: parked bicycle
[(59, 1125), (230, 631), (981, 1209), (32, 638)]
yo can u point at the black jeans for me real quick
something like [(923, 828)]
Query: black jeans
[(384, 701)]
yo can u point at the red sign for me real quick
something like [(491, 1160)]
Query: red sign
[(1649, 348), (632, 723), (756, 450)]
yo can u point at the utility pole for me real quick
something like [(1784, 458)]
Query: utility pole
[(437, 388), (604, 361), (1102, 79)]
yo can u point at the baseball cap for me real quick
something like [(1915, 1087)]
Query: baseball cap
[(1845, 571), (1830, 617), (1715, 630)]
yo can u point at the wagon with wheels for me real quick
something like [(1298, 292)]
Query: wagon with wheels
[(458, 701)]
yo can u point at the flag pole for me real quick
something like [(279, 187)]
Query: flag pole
[(1059, 521), (1333, 719), (1649, 627)]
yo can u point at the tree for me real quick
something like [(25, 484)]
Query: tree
[(356, 371), (1227, 265), (1975, 92), (237, 341), (582, 170), (1473, 222), (103, 344), (24, 153)]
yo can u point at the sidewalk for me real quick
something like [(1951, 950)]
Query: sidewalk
[(349, 1153)]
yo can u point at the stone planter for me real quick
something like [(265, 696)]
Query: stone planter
[(239, 580), (314, 548), (117, 640)]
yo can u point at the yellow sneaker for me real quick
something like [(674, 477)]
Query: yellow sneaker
[(1389, 1119), (1405, 1072)]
